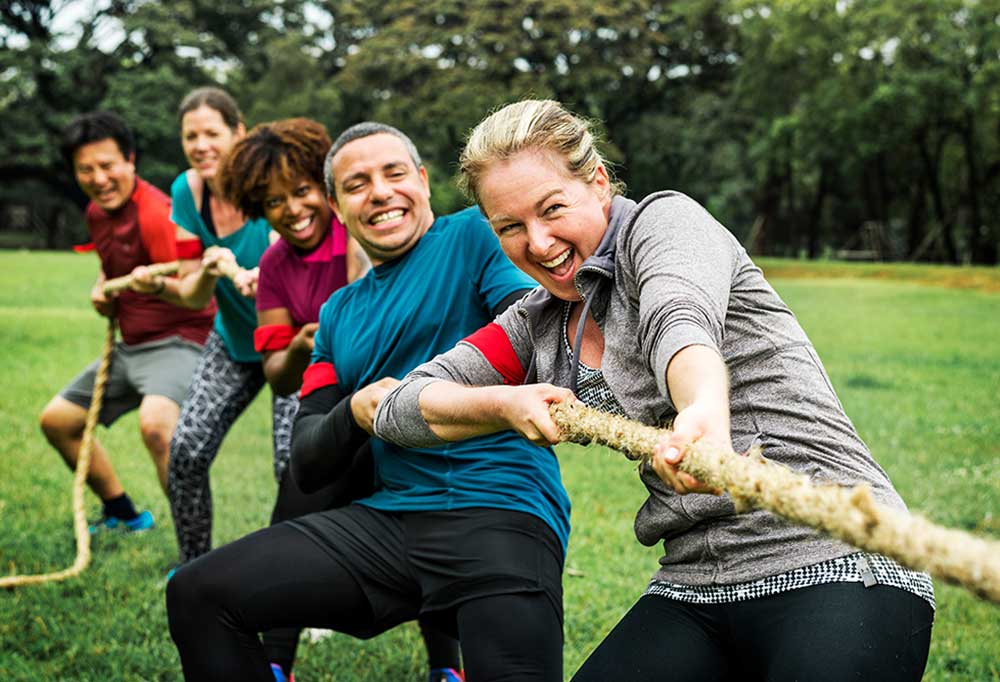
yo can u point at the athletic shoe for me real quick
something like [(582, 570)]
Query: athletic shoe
[(446, 675), (279, 674), (143, 521)]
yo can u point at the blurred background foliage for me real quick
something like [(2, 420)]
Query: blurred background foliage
[(864, 129)]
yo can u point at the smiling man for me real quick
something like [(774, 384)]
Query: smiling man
[(471, 536), (276, 172), (128, 220)]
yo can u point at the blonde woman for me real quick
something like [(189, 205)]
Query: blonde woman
[(654, 311)]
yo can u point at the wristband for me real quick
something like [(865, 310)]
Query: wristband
[(272, 337)]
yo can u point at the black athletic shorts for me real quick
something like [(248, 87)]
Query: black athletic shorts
[(430, 562)]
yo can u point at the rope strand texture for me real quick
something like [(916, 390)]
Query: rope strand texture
[(847, 513), (80, 526), (156, 269), (230, 270)]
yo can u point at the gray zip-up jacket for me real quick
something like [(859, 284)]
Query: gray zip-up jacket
[(667, 275)]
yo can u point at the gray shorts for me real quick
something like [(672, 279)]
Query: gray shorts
[(162, 367)]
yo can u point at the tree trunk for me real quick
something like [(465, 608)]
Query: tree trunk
[(768, 199), (981, 244), (917, 224), (816, 213), (930, 163)]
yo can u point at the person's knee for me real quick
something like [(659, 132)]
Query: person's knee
[(182, 601), (190, 598), (157, 421), (61, 419), (156, 433)]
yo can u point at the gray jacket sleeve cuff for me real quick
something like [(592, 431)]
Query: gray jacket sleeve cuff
[(678, 338), (399, 420)]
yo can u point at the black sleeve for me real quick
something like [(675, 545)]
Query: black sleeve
[(510, 300), (325, 438)]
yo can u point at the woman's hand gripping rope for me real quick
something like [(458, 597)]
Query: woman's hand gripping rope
[(847, 513), (221, 262)]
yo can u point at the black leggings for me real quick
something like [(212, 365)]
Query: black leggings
[(840, 631), (280, 644), (279, 577)]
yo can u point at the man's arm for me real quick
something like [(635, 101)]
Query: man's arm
[(331, 426), (103, 303), (324, 438), (192, 287)]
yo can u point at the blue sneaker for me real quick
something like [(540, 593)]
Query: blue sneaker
[(279, 674), (446, 675), (143, 521)]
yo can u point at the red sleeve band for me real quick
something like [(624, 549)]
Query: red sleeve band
[(189, 248), (493, 343), (271, 337), (316, 377)]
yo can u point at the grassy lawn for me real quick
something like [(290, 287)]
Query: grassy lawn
[(912, 350)]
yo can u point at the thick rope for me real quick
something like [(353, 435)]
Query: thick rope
[(156, 269), (230, 270), (80, 526), (847, 513)]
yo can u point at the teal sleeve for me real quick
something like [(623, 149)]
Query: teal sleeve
[(182, 210)]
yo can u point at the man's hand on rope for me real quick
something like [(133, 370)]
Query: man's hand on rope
[(526, 410), (365, 401), (698, 421), (103, 303), (144, 281)]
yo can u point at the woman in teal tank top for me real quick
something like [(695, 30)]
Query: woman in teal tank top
[(229, 374)]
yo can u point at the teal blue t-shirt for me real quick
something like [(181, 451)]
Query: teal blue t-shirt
[(237, 316), (403, 313)]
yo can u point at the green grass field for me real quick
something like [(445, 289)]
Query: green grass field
[(916, 366)]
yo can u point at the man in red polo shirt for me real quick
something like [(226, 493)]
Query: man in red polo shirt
[(129, 223)]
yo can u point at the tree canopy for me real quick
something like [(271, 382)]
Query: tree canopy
[(856, 128)]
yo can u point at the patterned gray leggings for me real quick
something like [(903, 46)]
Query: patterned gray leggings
[(220, 390)]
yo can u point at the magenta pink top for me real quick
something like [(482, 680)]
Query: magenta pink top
[(301, 282)]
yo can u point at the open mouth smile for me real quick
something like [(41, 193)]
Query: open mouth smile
[(386, 216), (301, 224), (557, 261)]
